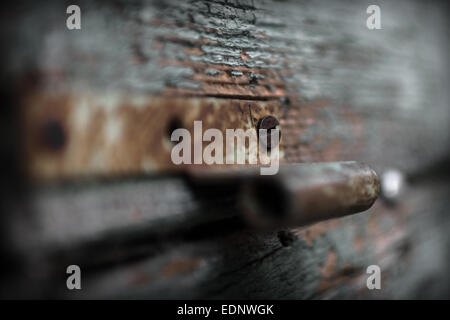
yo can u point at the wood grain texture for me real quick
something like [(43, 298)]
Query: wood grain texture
[(348, 91)]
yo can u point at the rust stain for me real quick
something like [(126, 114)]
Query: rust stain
[(262, 35), (359, 242), (310, 233), (194, 51), (271, 76), (229, 90), (113, 134), (333, 277), (318, 131), (180, 267), (328, 268), (244, 56), (140, 277)]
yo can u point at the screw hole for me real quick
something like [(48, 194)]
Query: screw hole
[(53, 135), (286, 238), (172, 125)]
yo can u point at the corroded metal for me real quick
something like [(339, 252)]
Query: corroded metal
[(111, 134), (300, 194), (270, 124)]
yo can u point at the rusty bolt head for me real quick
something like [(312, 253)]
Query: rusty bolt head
[(270, 123)]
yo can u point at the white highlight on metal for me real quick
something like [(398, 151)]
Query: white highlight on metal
[(392, 182)]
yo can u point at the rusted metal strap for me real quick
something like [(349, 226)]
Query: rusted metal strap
[(74, 135)]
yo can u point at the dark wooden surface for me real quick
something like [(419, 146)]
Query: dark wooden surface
[(341, 91)]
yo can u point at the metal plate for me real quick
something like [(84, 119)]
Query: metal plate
[(111, 134)]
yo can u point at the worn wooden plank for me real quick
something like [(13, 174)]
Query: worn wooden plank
[(347, 91), (326, 260)]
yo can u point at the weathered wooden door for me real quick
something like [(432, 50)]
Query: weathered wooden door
[(90, 179)]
